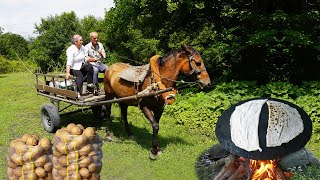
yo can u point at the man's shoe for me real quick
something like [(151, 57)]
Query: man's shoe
[(91, 85)]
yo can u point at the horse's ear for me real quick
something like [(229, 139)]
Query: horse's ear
[(186, 48)]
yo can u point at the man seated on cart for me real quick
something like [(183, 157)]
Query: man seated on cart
[(94, 53), (76, 64)]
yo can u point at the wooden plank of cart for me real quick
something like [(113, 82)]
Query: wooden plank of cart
[(49, 85)]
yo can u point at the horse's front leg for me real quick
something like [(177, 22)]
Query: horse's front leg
[(154, 121)]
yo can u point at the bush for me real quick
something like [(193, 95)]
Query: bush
[(200, 111), (9, 66)]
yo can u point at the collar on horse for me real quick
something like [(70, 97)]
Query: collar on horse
[(194, 70)]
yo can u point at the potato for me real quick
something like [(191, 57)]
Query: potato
[(35, 136), (28, 167), (73, 167), (63, 171), (49, 176), (84, 172), (85, 150), (93, 153), (62, 148), (45, 143), (41, 161), (64, 136), (10, 163), (89, 131), (55, 152), (16, 158), (96, 158), (76, 130), (70, 126), (55, 172), (32, 141), (55, 162), (19, 146), (18, 171), (80, 126), (40, 172), (96, 146), (94, 176), (33, 153), (10, 174), (95, 167), (63, 160), (73, 156), (30, 176), (78, 142), (74, 176), (48, 166), (25, 137), (85, 162)]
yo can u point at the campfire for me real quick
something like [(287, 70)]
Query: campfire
[(255, 135), (267, 169), (244, 169)]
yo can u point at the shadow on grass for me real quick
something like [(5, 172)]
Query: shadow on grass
[(3, 76), (142, 136)]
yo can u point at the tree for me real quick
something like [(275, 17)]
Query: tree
[(13, 46), (49, 47)]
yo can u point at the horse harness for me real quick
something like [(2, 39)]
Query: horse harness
[(194, 70)]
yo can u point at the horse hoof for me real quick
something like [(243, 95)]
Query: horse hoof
[(153, 156), (108, 138)]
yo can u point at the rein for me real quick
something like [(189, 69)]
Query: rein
[(194, 70)]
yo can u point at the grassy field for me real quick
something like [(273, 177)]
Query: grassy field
[(123, 158)]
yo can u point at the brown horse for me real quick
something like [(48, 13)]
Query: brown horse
[(164, 71)]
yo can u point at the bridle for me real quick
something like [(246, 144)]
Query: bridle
[(193, 69)]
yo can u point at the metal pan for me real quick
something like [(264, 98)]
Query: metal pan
[(268, 153)]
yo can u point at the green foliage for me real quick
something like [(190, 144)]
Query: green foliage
[(13, 46), (10, 66), (54, 34), (202, 110)]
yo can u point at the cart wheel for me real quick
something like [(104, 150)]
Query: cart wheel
[(50, 117), (99, 112)]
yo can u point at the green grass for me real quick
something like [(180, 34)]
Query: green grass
[(123, 158)]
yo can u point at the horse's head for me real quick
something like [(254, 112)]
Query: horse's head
[(195, 66)]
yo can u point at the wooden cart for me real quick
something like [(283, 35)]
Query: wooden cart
[(46, 85)]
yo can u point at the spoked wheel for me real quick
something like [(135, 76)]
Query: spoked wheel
[(50, 117)]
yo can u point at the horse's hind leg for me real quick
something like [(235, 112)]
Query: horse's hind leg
[(108, 121), (124, 115), (154, 121)]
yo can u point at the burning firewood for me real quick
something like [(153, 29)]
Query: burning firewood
[(233, 170)]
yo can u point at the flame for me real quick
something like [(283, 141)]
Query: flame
[(267, 170)]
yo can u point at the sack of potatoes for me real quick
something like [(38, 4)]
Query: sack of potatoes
[(76, 153), (29, 157)]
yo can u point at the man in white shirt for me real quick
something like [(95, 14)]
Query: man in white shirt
[(94, 53), (76, 63)]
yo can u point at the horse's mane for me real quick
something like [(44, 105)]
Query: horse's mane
[(173, 52)]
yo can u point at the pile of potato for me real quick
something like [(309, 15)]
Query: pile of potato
[(76, 153), (29, 157)]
